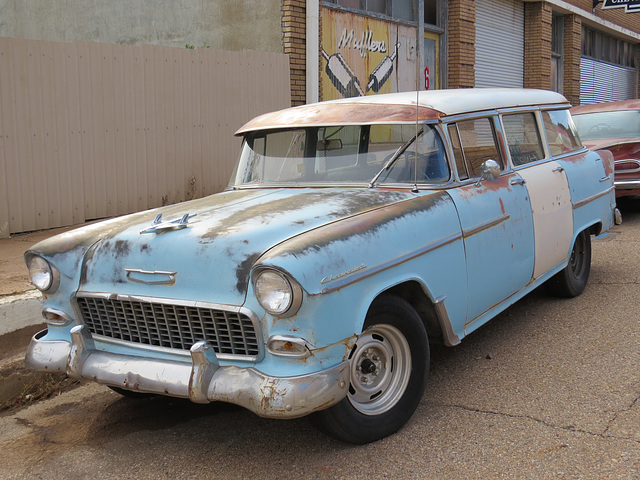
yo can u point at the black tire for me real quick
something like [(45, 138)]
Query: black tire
[(572, 280), (389, 369)]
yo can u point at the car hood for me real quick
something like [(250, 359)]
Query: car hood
[(210, 258)]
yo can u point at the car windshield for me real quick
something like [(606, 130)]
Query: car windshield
[(601, 125), (342, 154)]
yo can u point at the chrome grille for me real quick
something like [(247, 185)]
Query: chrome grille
[(169, 325)]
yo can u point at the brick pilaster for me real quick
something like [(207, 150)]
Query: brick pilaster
[(294, 28), (462, 40), (572, 51), (537, 45)]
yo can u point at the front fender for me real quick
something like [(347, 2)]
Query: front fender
[(344, 265)]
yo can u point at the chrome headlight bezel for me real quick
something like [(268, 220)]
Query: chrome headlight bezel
[(276, 292), (44, 276)]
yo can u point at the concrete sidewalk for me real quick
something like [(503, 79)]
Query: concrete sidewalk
[(20, 302)]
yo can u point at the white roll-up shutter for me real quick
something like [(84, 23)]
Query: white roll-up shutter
[(499, 43), (603, 82)]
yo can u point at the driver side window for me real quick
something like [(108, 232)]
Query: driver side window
[(474, 141)]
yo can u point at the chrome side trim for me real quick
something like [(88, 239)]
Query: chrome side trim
[(592, 198), (485, 226), (362, 274)]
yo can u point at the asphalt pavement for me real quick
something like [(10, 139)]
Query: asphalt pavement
[(550, 389)]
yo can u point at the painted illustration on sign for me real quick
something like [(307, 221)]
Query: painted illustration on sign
[(360, 55), (363, 56), (345, 80)]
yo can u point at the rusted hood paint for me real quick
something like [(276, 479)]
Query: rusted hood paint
[(361, 245), (212, 257)]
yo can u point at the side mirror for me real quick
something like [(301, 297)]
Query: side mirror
[(489, 170)]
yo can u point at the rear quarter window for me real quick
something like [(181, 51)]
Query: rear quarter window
[(523, 138), (561, 132)]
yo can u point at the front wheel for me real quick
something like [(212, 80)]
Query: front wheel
[(389, 365), (572, 280)]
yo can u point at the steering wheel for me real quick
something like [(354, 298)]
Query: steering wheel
[(600, 129)]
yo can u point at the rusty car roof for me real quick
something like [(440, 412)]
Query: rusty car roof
[(633, 104), (402, 107)]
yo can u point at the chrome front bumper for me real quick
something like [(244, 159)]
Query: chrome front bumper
[(202, 381)]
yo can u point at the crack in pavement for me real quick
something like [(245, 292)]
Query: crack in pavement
[(616, 414), (570, 428)]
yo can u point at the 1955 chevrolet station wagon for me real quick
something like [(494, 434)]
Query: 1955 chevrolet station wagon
[(352, 234)]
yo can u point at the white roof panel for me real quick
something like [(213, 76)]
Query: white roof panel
[(401, 107)]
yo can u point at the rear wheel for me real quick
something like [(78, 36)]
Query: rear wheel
[(389, 366), (572, 280)]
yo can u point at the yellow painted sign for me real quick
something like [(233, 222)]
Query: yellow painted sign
[(363, 56)]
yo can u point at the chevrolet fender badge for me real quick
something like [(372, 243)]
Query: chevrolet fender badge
[(331, 278)]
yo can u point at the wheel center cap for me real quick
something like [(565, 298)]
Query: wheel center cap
[(367, 366)]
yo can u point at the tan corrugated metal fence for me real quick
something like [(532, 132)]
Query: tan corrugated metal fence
[(91, 130)]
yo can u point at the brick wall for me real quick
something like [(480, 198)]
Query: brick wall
[(462, 39), (537, 41), (571, 58), (294, 37)]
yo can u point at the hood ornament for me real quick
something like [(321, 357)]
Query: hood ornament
[(159, 226)]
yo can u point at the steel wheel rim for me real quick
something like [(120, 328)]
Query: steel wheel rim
[(380, 370), (576, 261)]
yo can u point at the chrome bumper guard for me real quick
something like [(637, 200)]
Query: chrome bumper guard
[(202, 381), (626, 184)]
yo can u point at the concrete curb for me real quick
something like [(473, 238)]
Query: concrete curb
[(20, 311)]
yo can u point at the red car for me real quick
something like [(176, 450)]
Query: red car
[(614, 126)]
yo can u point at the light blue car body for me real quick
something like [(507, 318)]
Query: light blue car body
[(460, 252)]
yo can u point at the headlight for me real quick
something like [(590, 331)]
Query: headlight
[(43, 275), (277, 293)]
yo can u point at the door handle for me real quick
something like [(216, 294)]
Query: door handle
[(558, 169), (517, 181)]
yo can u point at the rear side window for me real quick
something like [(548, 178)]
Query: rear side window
[(474, 141), (561, 132), (523, 138)]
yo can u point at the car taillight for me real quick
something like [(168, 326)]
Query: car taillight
[(627, 166)]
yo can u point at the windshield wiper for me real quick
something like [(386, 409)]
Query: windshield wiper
[(394, 157)]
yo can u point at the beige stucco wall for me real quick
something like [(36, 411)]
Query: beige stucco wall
[(221, 24)]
